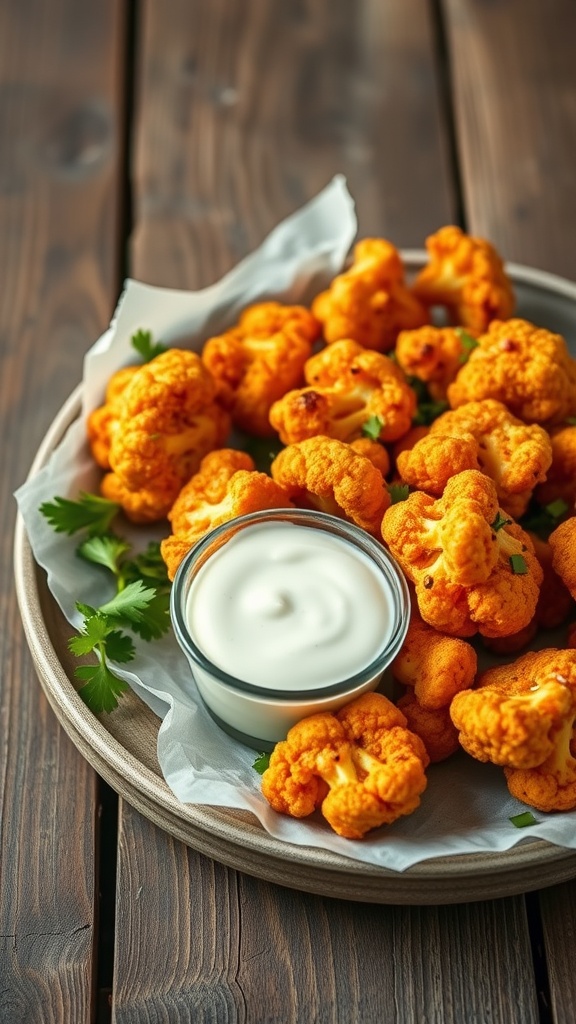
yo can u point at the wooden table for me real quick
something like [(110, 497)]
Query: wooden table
[(164, 140)]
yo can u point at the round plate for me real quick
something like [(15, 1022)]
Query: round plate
[(121, 747)]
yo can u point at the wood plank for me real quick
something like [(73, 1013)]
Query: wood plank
[(515, 96), (558, 907), (59, 84), (230, 948), (245, 110)]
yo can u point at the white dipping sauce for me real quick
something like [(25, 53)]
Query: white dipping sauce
[(287, 607)]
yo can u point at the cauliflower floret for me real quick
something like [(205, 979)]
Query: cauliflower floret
[(436, 666), (433, 355), (474, 570), (374, 451), (370, 301), (166, 420), (434, 727), (516, 456), (225, 486), (329, 475), (349, 386), (561, 477), (467, 276), (260, 359), (435, 459), (101, 422), (361, 766), (522, 717), (526, 367), (563, 545)]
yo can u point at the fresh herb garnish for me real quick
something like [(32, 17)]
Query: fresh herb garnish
[(89, 512), (261, 763), (428, 409), (523, 819), (468, 342), (373, 427), (145, 346), (543, 519), (99, 635), (398, 492), (518, 565), (570, 421), (499, 522)]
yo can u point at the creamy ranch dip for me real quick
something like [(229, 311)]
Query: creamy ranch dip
[(285, 606)]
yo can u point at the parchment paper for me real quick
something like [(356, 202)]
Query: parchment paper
[(466, 807)]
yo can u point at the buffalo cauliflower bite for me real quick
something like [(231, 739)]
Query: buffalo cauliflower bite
[(526, 367), (370, 302), (467, 277), (433, 355), (167, 420), (563, 545), (522, 717), (225, 486), (560, 480), (434, 460), (374, 451), (361, 766), (434, 665), (473, 569), (433, 725), (259, 360), (515, 455), (348, 386), (329, 475), (101, 422)]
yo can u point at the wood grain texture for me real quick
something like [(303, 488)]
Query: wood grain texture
[(558, 908), (58, 210), (246, 109), (514, 91)]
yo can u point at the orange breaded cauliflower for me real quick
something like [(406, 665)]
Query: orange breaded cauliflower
[(225, 486), (515, 455), (433, 725), (474, 570), (526, 367), (370, 302), (562, 542), (167, 419), (260, 359), (348, 386), (432, 354), (329, 475), (101, 422), (435, 459), (374, 451), (436, 666), (361, 766), (561, 477), (522, 717), (467, 276)]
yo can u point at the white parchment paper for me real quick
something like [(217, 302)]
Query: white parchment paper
[(466, 807)]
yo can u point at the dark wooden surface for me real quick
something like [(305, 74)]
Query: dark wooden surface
[(165, 140)]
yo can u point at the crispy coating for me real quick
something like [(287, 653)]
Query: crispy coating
[(432, 354), (362, 767), (526, 367), (370, 302), (225, 486), (466, 276), (434, 727), (101, 422), (374, 451), (522, 717), (561, 477), (432, 461), (436, 666), (329, 475), (563, 545), (260, 359), (348, 385), (166, 419), (461, 567), (407, 442), (515, 455)]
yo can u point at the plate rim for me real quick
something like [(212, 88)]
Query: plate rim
[(242, 842)]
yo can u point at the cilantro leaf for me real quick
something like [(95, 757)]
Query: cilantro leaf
[(523, 819), (145, 346), (148, 566), (130, 603), (92, 633), (156, 621), (468, 342), (543, 519), (428, 409), (261, 763), (89, 512), (398, 492), (119, 646), (101, 687), (373, 427), (518, 565), (106, 550)]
